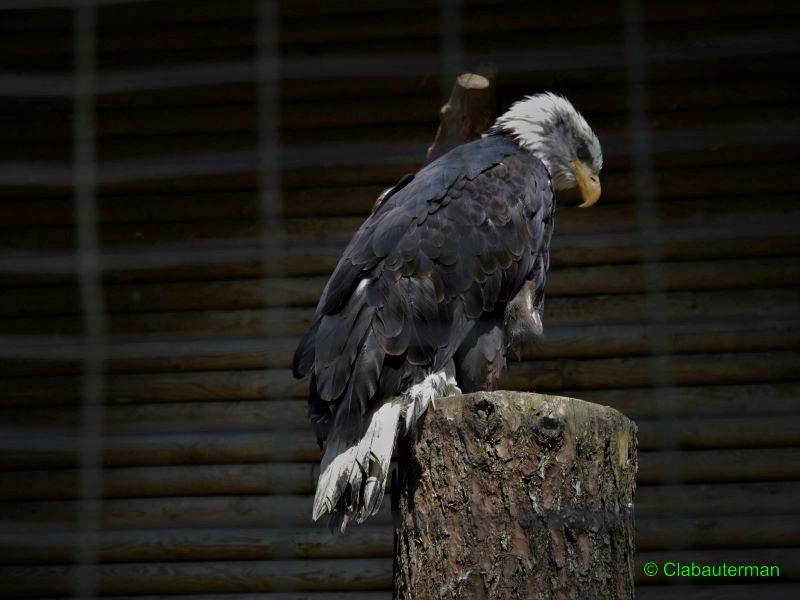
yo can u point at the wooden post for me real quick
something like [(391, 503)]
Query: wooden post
[(469, 112), (466, 116), (516, 495)]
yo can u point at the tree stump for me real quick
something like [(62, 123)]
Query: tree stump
[(516, 495)]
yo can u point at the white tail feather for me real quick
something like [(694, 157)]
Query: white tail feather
[(349, 459), (355, 466)]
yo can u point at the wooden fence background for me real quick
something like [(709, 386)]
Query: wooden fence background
[(208, 460)]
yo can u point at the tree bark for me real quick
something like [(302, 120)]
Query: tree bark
[(516, 495)]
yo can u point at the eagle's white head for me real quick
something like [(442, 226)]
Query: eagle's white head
[(549, 126)]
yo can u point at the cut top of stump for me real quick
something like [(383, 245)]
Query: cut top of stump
[(550, 416)]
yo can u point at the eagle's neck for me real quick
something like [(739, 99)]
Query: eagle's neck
[(527, 138)]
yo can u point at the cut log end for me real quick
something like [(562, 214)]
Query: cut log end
[(472, 81), (516, 495)]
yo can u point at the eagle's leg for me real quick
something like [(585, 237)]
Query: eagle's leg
[(435, 385)]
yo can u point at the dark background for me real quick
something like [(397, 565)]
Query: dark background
[(177, 180)]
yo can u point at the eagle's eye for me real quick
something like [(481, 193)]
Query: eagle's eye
[(582, 153)]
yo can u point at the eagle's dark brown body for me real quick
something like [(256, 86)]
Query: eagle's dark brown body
[(429, 278)]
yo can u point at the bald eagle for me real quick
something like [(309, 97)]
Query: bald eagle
[(444, 276)]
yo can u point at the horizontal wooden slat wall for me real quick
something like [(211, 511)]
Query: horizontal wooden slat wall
[(209, 465)]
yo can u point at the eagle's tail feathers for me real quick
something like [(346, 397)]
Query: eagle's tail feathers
[(379, 460), (355, 468)]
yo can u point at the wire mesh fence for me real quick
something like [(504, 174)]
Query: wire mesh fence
[(179, 180)]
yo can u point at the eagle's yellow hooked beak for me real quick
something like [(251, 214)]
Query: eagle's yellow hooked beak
[(588, 183)]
